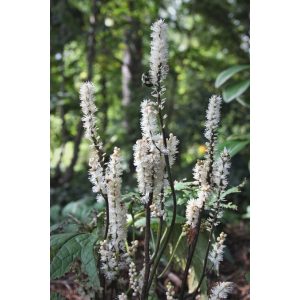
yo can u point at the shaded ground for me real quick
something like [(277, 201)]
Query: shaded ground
[(237, 270)]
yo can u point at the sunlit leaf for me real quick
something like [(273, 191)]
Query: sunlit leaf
[(228, 73), (235, 90)]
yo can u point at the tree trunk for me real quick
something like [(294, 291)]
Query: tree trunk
[(90, 62)]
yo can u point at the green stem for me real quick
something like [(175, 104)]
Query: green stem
[(158, 240), (208, 246), (171, 258)]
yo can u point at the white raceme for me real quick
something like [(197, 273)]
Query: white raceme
[(216, 253), (88, 107), (113, 252), (159, 52)]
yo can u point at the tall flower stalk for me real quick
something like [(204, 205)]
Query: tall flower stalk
[(161, 148), (211, 175), (113, 253), (97, 178)]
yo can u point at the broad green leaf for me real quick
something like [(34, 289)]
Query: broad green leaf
[(89, 261), (67, 254), (198, 259), (57, 240), (233, 147), (235, 90), (81, 209), (54, 213), (228, 73), (55, 227)]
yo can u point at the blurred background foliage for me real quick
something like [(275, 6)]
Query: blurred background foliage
[(107, 41)]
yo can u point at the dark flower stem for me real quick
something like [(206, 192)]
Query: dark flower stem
[(190, 255), (144, 293), (171, 182)]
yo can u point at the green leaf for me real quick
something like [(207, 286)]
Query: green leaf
[(229, 205), (198, 259), (181, 185), (89, 261), (57, 240), (67, 254), (228, 73), (235, 189), (233, 147), (142, 222), (81, 209), (55, 227), (235, 90)]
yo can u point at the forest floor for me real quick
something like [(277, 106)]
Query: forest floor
[(238, 269)]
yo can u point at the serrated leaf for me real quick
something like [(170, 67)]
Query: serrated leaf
[(57, 240), (233, 190), (67, 254), (228, 73), (89, 261), (229, 205), (235, 90)]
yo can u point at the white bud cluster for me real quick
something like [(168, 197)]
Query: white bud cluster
[(221, 170), (133, 248), (150, 166), (200, 173), (96, 171), (217, 252), (122, 297), (220, 173), (149, 126), (157, 208), (207, 173), (212, 117), (221, 290), (88, 107), (159, 52), (172, 148), (170, 292), (113, 253), (193, 209), (133, 279)]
